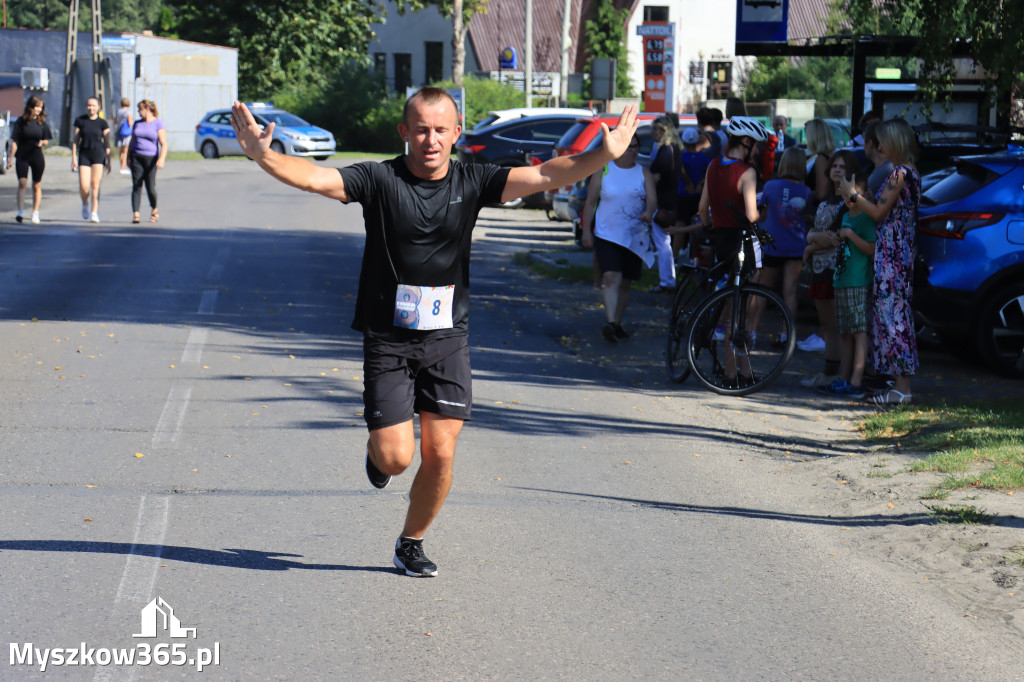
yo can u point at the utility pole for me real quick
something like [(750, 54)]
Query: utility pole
[(528, 54), (70, 60), (97, 55), (563, 89)]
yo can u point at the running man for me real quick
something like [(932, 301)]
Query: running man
[(419, 211)]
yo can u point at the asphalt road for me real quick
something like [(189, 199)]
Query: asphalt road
[(181, 419)]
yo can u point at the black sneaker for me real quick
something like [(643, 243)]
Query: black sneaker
[(608, 332), (620, 333), (410, 558), (377, 479)]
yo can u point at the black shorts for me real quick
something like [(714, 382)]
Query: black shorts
[(91, 157), (612, 257), (401, 378), (725, 242), (35, 162), (778, 261)]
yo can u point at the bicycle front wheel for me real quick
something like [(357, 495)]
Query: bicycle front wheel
[(740, 341), (690, 290)]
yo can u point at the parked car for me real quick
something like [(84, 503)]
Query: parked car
[(508, 144), (587, 135), (292, 135), (969, 276), (5, 140), (505, 115)]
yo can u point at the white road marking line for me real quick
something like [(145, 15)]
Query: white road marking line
[(144, 557), (140, 569), (173, 416), (208, 303), (217, 269), (194, 346)]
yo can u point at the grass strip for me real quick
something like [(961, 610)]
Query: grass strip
[(978, 445)]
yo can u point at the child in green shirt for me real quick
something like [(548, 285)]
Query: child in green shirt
[(852, 282)]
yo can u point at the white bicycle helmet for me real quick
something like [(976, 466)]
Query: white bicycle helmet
[(745, 126)]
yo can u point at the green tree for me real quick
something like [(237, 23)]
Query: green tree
[(989, 31), (460, 25), (118, 15), (606, 38), (283, 46)]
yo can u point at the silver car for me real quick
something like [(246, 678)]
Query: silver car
[(292, 135)]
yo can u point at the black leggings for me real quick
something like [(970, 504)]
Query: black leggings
[(143, 171)]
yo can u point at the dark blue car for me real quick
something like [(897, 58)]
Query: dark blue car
[(970, 269)]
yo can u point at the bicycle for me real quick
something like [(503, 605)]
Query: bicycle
[(724, 327), (693, 284)]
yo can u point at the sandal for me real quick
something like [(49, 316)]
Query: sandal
[(891, 397), (135, 219), (155, 217)]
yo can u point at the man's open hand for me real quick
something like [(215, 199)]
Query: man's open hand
[(616, 141), (253, 140)]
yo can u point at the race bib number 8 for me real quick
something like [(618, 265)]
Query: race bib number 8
[(424, 307)]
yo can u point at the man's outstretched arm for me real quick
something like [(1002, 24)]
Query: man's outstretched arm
[(566, 170), (308, 177)]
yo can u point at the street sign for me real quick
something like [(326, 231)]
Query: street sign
[(761, 21), (117, 44)]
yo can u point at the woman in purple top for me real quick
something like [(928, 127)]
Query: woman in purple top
[(145, 156)]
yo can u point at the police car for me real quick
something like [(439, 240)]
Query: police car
[(292, 135)]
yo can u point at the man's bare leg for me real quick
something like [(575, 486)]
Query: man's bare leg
[(438, 435)]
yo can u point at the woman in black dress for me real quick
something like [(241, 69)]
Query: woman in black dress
[(29, 135), (90, 154)]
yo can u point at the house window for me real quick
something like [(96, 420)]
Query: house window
[(403, 71), (434, 62), (655, 13), (380, 63)]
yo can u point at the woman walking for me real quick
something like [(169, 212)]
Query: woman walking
[(894, 208), (624, 197), (90, 155), (123, 132), (146, 155), (29, 135), (667, 169)]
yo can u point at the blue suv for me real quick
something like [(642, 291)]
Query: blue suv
[(292, 135), (970, 268)]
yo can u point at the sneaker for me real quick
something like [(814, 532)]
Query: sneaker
[(85, 211), (608, 332), (781, 342), (818, 380), (719, 334), (377, 478), (94, 218), (855, 392), (836, 388), (35, 217), (410, 558), (20, 217), (620, 333), (811, 344)]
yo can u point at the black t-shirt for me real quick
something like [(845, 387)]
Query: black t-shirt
[(91, 132), (418, 232), (28, 134)]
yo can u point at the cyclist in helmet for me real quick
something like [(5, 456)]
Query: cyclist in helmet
[(730, 187)]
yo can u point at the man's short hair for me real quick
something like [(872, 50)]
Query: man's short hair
[(871, 133), (705, 117), (429, 95)]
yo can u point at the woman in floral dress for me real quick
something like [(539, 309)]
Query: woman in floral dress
[(895, 211)]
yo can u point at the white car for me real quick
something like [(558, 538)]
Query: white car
[(292, 135), (495, 117)]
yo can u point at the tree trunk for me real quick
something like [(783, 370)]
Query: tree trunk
[(458, 43)]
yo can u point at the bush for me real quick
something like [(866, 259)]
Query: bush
[(483, 95)]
